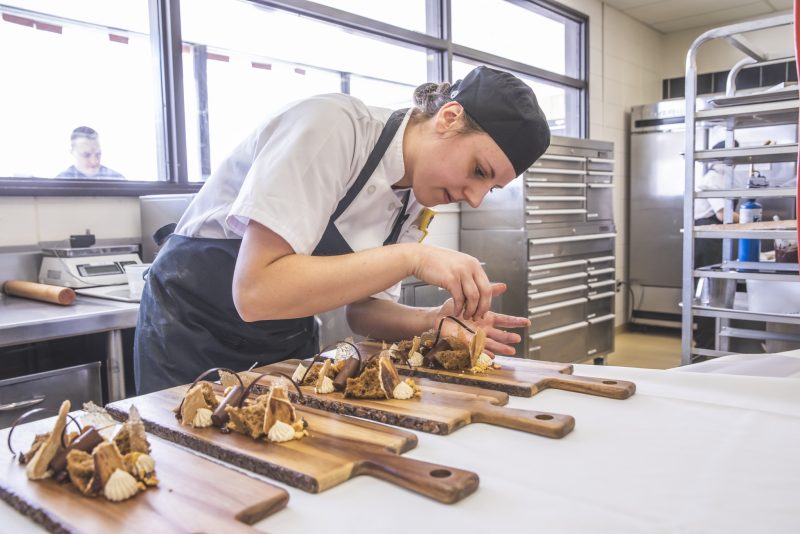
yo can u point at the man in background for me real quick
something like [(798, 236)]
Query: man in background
[(86, 151)]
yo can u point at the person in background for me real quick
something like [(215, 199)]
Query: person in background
[(709, 251), (85, 149), (322, 206)]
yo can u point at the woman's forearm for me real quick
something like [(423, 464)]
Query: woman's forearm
[(294, 285), (390, 321)]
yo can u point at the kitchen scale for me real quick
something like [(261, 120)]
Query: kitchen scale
[(97, 271)]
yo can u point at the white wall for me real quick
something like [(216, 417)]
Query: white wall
[(27, 221), (625, 59), (718, 55)]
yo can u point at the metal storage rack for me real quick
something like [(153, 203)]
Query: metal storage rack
[(549, 235), (746, 112)]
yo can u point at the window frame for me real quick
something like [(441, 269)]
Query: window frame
[(165, 35)]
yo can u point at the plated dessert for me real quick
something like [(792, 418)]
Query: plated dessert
[(102, 459), (269, 416), (450, 352), (376, 378)]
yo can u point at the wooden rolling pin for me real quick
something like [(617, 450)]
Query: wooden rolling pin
[(43, 292)]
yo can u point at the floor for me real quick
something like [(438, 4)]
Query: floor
[(653, 349)]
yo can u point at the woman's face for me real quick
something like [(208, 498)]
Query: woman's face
[(449, 166)]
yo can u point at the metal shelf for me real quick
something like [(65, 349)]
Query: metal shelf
[(756, 154), (750, 115), (784, 272), (744, 315), (765, 192), (749, 333), (744, 234)]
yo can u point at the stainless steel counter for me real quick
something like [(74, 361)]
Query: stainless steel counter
[(28, 321)]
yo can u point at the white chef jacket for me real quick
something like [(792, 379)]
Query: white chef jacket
[(290, 173), (708, 207)]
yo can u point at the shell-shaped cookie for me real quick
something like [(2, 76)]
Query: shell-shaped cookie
[(120, 486)]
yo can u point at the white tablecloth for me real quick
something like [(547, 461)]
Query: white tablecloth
[(689, 453), (781, 364)]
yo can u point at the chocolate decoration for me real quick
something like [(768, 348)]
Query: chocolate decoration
[(220, 417), (26, 415), (200, 377), (441, 322), (350, 369), (86, 442)]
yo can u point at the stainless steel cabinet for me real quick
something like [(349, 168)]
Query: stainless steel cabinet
[(79, 384), (550, 236)]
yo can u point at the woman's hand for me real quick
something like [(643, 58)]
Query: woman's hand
[(458, 273), (498, 341)]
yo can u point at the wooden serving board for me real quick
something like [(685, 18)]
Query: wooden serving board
[(194, 495), (439, 410), (337, 448), (522, 378)]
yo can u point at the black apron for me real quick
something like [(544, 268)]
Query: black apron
[(187, 319)]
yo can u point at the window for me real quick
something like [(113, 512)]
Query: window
[(257, 60), (169, 103), (60, 74)]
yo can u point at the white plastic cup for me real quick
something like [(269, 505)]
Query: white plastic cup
[(136, 276)]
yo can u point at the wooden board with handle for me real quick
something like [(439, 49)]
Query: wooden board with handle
[(337, 448), (520, 378), (194, 495), (438, 410), (517, 376)]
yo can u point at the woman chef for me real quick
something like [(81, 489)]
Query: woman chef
[(320, 208)]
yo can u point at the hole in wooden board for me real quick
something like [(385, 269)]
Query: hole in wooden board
[(544, 417), (609, 382), (440, 473)]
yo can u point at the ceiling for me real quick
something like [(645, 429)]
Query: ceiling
[(669, 16)]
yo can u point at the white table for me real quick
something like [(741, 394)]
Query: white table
[(689, 453)]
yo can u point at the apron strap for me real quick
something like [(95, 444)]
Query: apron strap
[(398, 223), (392, 125)]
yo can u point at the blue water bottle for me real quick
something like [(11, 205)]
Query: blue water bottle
[(749, 249)]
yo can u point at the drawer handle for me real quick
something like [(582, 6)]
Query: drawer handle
[(561, 330), (543, 184), (551, 279), (556, 157), (555, 292), (555, 212), (540, 315), (600, 185), (601, 259), (555, 198), (542, 256), (556, 265), (602, 319), (555, 170), (11, 406), (557, 305), (595, 296), (592, 215), (571, 238)]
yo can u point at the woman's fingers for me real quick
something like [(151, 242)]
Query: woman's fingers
[(499, 348), (510, 321), (501, 336)]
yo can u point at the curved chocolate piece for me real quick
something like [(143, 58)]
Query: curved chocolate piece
[(202, 376), (350, 369), (246, 392), (441, 322), (86, 442), (234, 397), (27, 414)]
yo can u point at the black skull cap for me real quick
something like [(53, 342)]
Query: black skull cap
[(506, 109)]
